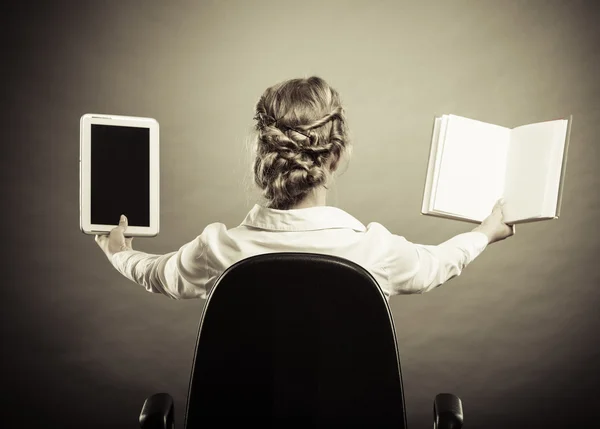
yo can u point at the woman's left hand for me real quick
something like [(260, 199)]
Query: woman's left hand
[(115, 241)]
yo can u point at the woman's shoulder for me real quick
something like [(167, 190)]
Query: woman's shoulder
[(378, 228), (214, 228)]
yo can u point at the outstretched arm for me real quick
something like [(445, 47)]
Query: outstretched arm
[(419, 268), (178, 275)]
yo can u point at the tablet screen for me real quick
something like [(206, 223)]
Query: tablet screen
[(120, 175)]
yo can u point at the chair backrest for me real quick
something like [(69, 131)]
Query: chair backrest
[(296, 340)]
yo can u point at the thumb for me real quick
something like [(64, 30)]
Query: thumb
[(499, 204), (123, 222)]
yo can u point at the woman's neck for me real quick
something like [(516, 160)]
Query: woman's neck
[(316, 198)]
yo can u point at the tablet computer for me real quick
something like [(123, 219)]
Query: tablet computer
[(119, 174)]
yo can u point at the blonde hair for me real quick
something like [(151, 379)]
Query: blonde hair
[(302, 135)]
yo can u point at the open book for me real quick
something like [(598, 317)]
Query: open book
[(472, 164)]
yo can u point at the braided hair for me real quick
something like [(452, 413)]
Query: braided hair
[(302, 135)]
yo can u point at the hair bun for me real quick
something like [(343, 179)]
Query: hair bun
[(301, 129)]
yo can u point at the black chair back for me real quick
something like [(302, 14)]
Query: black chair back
[(292, 340)]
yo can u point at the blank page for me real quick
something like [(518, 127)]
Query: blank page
[(472, 168), (560, 145), (441, 125), (532, 158)]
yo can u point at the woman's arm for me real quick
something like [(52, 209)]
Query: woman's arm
[(178, 275), (419, 268)]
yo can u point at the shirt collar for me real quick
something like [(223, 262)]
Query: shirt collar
[(306, 219)]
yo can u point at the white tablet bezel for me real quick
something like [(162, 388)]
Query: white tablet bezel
[(86, 122)]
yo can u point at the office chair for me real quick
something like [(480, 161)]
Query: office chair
[(296, 340)]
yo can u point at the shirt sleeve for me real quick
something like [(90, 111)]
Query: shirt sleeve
[(419, 268), (179, 275)]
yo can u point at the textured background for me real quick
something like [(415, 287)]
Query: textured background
[(515, 336)]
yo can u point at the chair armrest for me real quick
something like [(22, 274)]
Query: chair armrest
[(158, 412), (447, 412)]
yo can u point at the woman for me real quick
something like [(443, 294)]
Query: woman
[(302, 138)]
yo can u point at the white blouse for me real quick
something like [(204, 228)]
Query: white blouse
[(399, 266)]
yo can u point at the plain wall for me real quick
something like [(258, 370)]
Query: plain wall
[(515, 336)]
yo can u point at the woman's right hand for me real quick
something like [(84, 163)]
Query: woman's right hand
[(494, 227)]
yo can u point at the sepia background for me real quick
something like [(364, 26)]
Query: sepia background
[(515, 336)]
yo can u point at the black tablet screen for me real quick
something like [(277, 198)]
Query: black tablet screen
[(120, 175)]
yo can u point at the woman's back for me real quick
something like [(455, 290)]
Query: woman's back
[(323, 230)]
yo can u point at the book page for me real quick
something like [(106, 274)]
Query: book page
[(532, 157), (472, 168), (560, 145), (443, 124), (429, 177)]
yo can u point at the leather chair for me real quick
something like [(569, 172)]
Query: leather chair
[(296, 340)]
